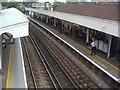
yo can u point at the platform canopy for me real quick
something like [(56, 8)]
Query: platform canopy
[(102, 25), (14, 22)]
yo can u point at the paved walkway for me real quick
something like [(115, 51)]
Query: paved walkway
[(16, 78), (5, 58), (13, 66), (108, 65)]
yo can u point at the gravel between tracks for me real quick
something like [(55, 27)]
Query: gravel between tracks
[(41, 76)]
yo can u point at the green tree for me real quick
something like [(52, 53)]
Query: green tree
[(10, 4), (83, 1), (56, 4), (76, 1)]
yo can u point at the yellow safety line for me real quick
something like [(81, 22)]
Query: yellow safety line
[(107, 62), (90, 52), (9, 65)]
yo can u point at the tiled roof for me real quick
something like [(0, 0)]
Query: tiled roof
[(104, 11)]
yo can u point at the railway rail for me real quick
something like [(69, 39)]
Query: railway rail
[(37, 72), (58, 77), (59, 73), (78, 77)]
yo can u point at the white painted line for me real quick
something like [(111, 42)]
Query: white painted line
[(24, 74), (109, 74), (0, 52)]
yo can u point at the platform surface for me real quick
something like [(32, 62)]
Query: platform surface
[(14, 73), (17, 77), (108, 65), (5, 59)]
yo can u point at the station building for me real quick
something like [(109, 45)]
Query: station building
[(87, 20), (107, 42), (13, 24)]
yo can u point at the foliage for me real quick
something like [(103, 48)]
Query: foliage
[(10, 4), (56, 4), (77, 1), (83, 1), (22, 9)]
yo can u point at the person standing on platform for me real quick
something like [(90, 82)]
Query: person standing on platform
[(65, 30), (93, 47), (71, 30), (80, 35), (92, 37)]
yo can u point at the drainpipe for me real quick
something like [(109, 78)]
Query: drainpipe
[(109, 46), (87, 36)]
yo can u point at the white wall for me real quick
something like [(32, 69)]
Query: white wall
[(19, 30)]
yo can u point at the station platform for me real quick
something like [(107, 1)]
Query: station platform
[(110, 66), (5, 58), (13, 75)]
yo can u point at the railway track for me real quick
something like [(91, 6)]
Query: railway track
[(59, 73), (59, 79), (38, 75), (75, 74)]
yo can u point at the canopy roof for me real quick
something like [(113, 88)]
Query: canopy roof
[(14, 22), (102, 25)]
